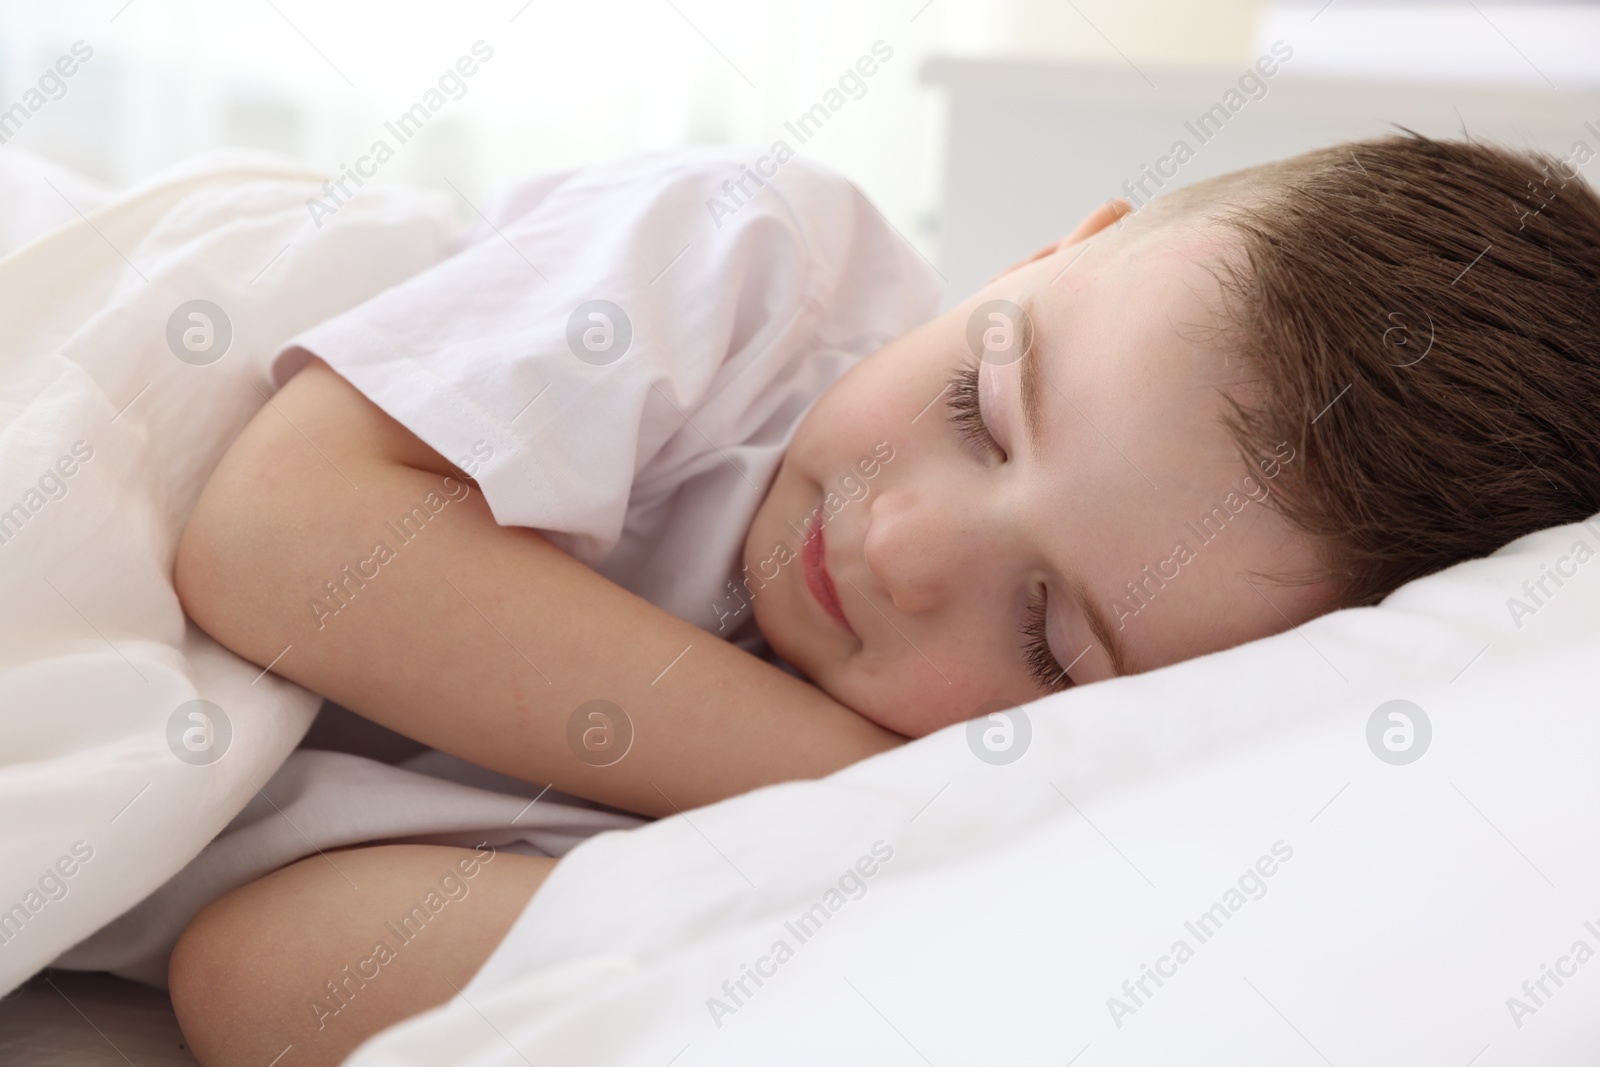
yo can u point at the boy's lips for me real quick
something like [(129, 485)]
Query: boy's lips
[(814, 561)]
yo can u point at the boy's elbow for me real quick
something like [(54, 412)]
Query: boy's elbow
[(206, 570), (309, 481), (194, 568), (232, 550)]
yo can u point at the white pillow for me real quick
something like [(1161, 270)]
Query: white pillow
[(1397, 910), (107, 435)]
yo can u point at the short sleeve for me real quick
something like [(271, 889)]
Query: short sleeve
[(552, 359)]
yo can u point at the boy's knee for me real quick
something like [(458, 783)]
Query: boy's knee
[(239, 973), (211, 982), (285, 959)]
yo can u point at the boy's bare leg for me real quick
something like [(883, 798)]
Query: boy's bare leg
[(294, 958)]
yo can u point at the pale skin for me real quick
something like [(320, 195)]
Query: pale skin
[(934, 568)]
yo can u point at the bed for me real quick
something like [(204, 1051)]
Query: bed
[(1340, 897)]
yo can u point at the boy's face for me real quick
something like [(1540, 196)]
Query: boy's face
[(937, 554)]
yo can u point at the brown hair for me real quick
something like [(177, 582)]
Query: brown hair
[(1420, 319)]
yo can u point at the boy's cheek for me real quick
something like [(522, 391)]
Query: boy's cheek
[(913, 701)]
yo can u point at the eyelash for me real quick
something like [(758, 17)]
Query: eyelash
[(1045, 668), (965, 415)]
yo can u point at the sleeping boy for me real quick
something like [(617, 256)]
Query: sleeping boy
[(658, 509)]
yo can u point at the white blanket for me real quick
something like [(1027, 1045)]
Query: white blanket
[(1224, 824), (106, 437)]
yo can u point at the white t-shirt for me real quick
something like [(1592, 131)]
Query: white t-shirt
[(641, 433), (649, 467)]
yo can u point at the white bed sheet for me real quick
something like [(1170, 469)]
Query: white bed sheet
[(73, 1019)]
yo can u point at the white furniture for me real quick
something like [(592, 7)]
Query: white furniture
[(1033, 146)]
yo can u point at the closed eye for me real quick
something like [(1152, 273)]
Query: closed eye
[(1047, 671), (966, 415)]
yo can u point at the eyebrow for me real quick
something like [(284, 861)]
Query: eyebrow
[(1033, 380)]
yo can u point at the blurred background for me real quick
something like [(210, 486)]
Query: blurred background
[(1080, 93)]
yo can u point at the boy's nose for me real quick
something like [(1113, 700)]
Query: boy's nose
[(919, 547)]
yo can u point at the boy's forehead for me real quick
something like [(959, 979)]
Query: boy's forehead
[(1163, 273), (1176, 239), (1135, 335)]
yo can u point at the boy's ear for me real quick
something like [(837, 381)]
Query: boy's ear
[(1097, 220)]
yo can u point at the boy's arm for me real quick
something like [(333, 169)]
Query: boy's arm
[(478, 639)]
